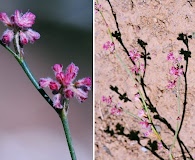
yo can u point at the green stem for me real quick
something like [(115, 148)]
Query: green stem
[(178, 116), (61, 112), (64, 119), (142, 97)]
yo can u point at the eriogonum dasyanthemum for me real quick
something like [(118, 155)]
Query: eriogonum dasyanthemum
[(20, 24), (134, 55), (109, 46), (63, 87)]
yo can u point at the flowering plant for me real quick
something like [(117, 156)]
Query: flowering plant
[(143, 94), (63, 88)]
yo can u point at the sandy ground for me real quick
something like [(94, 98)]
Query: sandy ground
[(159, 24)]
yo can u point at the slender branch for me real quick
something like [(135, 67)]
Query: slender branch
[(61, 112), (64, 119)]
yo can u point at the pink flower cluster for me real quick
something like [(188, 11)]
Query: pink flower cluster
[(116, 111), (107, 100), (135, 56), (144, 123), (176, 70), (63, 87), (109, 46), (97, 7), (115, 108), (19, 23)]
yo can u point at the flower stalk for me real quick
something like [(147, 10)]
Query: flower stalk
[(63, 88), (61, 112)]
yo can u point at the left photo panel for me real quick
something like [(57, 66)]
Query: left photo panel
[(46, 98)]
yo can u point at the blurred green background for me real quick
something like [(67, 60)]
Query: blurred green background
[(29, 128)]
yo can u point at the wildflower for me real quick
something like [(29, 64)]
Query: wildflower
[(160, 146), (135, 69), (142, 67), (7, 36), (144, 124), (134, 55), (109, 46), (107, 100), (171, 84), (170, 56), (136, 97), (21, 24), (147, 133), (176, 71), (63, 87), (116, 111), (142, 114), (97, 7)]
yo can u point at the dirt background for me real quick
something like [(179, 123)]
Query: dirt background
[(158, 23)]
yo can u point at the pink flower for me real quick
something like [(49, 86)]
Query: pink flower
[(109, 46), (171, 84), (5, 19), (160, 146), (144, 124), (135, 69), (57, 101), (176, 71), (170, 56), (24, 20), (64, 88), (107, 100), (136, 97), (7, 36), (147, 133), (19, 23), (97, 7), (44, 82), (142, 114), (134, 55), (32, 35), (23, 38), (116, 111), (142, 67)]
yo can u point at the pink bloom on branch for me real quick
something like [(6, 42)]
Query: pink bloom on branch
[(24, 20), (171, 84), (176, 71), (136, 97), (147, 133), (170, 56), (7, 36), (97, 7), (32, 35), (64, 88), (144, 124), (134, 55), (109, 46), (23, 38), (142, 114), (20, 23), (116, 111), (135, 69), (5, 19), (107, 100)]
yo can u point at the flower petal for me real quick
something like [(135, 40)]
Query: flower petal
[(44, 82)]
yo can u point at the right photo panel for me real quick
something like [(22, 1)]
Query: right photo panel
[(144, 80)]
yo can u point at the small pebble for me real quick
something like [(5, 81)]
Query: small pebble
[(144, 149)]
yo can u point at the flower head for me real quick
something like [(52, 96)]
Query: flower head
[(109, 46), (63, 87), (97, 7), (134, 55), (116, 111), (21, 24)]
